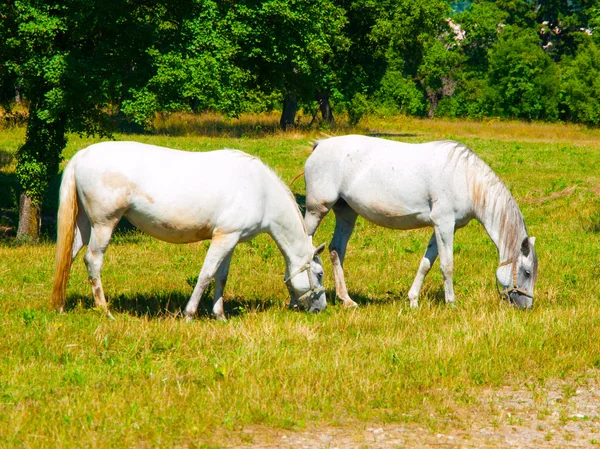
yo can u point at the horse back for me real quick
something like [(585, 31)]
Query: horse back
[(390, 183), (173, 195)]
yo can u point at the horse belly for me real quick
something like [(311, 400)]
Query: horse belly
[(392, 216), (173, 228), (389, 205)]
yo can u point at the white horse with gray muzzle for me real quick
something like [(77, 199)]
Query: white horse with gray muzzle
[(405, 186), (226, 196)]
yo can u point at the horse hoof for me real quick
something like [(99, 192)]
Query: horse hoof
[(189, 318), (220, 318), (349, 304), (109, 315), (414, 304)]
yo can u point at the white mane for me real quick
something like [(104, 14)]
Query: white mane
[(488, 191)]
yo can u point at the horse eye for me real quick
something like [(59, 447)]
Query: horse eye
[(527, 273)]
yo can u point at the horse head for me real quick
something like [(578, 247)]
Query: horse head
[(518, 275), (306, 283)]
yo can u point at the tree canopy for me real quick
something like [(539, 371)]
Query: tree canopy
[(77, 63)]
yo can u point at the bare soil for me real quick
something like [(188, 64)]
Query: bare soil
[(561, 415)]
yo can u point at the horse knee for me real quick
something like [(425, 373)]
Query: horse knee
[(447, 270), (93, 262)]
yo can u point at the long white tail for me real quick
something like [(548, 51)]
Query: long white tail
[(67, 214)]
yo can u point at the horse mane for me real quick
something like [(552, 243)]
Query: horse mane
[(487, 190), (279, 181), (276, 178)]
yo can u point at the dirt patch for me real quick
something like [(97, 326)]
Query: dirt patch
[(554, 416), (555, 195)]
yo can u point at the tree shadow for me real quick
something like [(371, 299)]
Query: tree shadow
[(9, 199), (155, 305), (393, 135), (208, 125)]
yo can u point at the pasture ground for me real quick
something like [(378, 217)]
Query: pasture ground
[(479, 374)]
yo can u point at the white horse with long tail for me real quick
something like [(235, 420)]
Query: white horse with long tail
[(405, 186), (226, 196)]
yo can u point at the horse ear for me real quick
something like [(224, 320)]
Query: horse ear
[(525, 247), (319, 249)]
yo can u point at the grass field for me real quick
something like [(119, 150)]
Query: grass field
[(148, 379)]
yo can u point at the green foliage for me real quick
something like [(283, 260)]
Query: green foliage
[(580, 88), (357, 108), (77, 62), (192, 64), (523, 80), (400, 94), (287, 46), (39, 156), (480, 24), (405, 29)]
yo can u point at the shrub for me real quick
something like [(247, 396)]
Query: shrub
[(401, 94), (523, 79), (580, 89)]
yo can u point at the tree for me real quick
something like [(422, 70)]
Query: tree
[(523, 80), (287, 47), (359, 60), (68, 60), (580, 89), (193, 62), (418, 46)]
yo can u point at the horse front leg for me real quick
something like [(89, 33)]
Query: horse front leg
[(427, 261), (221, 249), (345, 219), (220, 282), (444, 235)]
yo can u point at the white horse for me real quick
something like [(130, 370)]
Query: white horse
[(405, 186), (227, 196)]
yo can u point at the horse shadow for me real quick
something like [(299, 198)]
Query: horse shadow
[(434, 296), (156, 305)]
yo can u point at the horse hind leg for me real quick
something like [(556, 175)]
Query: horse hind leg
[(83, 229), (94, 258), (345, 219), (427, 261), (220, 251)]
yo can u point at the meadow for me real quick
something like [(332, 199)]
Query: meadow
[(148, 379)]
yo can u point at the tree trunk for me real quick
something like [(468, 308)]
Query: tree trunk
[(29, 218), (288, 115), (434, 98), (325, 107), (37, 162)]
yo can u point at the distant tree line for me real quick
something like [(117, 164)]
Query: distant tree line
[(76, 63)]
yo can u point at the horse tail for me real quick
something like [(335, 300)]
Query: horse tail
[(67, 214)]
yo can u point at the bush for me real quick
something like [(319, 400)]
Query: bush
[(357, 108), (523, 80), (401, 94), (580, 89)]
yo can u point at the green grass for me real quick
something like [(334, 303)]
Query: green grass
[(148, 379)]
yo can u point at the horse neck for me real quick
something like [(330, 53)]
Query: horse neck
[(287, 228), (501, 217)]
